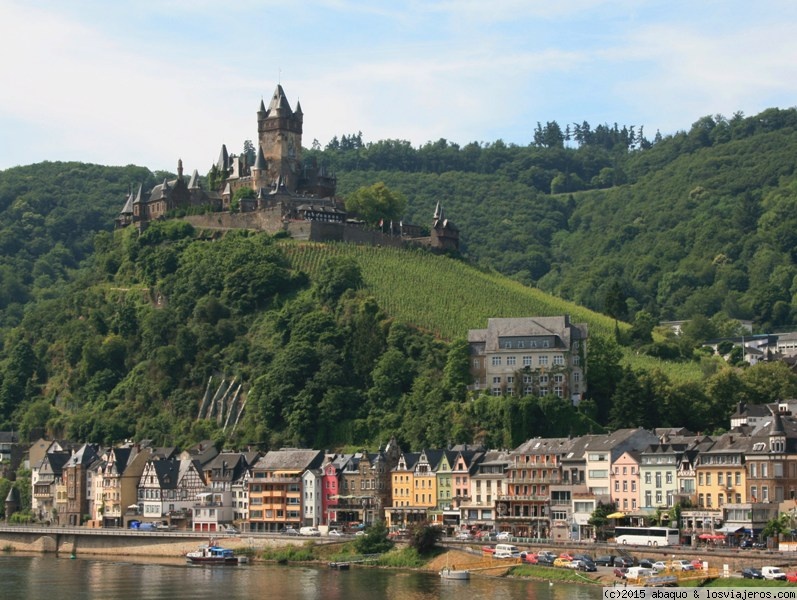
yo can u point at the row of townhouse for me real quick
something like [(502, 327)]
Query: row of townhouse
[(544, 488)]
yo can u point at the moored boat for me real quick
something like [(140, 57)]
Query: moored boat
[(212, 555), (459, 574), (340, 566)]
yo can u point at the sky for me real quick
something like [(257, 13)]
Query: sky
[(150, 82)]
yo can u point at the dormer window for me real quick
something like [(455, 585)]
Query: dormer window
[(759, 446)]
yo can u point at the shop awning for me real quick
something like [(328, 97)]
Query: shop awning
[(730, 529), (616, 515), (711, 536)]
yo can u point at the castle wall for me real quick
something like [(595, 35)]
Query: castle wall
[(268, 220)]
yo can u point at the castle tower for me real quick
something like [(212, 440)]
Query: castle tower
[(279, 131)]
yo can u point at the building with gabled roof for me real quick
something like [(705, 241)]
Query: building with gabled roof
[(77, 483), (275, 489), (529, 356)]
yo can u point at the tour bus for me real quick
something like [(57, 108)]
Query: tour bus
[(647, 536)]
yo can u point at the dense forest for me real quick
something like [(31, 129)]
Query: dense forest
[(108, 335), (699, 223)]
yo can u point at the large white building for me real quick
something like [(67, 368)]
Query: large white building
[(530, 356)]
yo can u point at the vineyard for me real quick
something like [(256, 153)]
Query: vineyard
[(447, 297)]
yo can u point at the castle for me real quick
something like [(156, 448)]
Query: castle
[(277, 191)]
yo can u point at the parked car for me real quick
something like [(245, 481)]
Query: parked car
[(620, 572), (463, 535), (567, 556), (503, 536), (646, 563), (231, 530), (750, 543), (335, 533), (546, 559), (682, 565), (752, 573), (289, 531), (792, 577), (528, 557), (659, 566), (146, 527), (623, 561), (583, 557), (607, 560), (561, 562), (697, 563), (134, 524), (584, 565)]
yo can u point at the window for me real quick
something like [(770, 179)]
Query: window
[(511, 360), (542, 361), (668, 477), (526, 361), (476, 363), (558, 359), (708, 478), (616, 486), (648, 499), (719, 479), (496, 361), (527, 379), (497, 379), (647, 479), (658, 498), (633, 485)]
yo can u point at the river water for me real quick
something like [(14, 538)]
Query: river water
[(48, 577)]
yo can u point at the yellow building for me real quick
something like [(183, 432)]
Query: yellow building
[(720, 472)]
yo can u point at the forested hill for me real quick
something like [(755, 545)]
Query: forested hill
[(109, 335), (698, 223)]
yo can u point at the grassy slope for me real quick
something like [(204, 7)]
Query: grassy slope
[(447, 297)]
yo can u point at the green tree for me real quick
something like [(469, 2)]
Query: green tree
[(374, 541), (337, 275), (600, 519), (376, 203), (424, 537)]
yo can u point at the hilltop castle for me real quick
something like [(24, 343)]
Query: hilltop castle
[(281, 192)]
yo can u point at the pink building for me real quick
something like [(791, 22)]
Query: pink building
[(624, 482)]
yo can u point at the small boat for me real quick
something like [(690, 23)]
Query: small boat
[(340, 566), (457, 574), (212, 555)]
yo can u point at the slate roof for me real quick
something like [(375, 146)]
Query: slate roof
[(290, 459)]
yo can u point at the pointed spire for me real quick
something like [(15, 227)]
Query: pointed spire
[(260, 161), (438, 212), (224, 159), (127, 209), (193, 183), (179, 168), (262, 108), (298, 110), (279, 103), (137, 199)]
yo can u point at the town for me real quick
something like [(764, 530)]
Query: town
[(719, 489)]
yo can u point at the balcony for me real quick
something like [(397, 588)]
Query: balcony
[(535, 480), (528, 498)]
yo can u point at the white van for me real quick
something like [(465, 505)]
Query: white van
[(310, 531), (506, 551), (773, 573), (634, 573)]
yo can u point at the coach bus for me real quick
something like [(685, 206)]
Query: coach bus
[(647, 536)]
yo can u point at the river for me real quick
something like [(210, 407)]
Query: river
[(49, 577)]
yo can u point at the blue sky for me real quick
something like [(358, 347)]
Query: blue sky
[(149, 82)]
